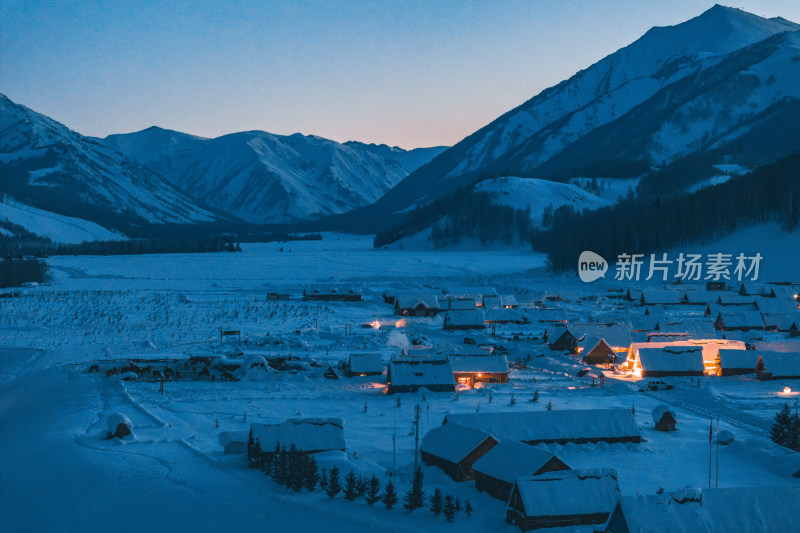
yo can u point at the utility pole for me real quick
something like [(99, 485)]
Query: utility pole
[(417, 414), (717, 469), (394, 440), (710, 439)]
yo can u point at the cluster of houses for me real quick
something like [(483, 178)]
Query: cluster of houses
[(498, 451)]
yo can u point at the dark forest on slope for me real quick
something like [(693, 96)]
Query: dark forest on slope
[(770, 193)]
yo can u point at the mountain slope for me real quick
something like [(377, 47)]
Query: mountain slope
[(55, 169), (697, 86), (265, 178)]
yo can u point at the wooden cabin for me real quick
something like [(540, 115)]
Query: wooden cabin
[(309, 435), (764, 509), (454, 449), (331, 294), (736, 362), (664, 418), (464, 320), (578, 426), (778, 365), (600, 354), (669, 361), (471, 369), (562, 499), (234, 442), (565, 341), (364, 364), (739, 321), (410, 373), (497, 470), (416, 304)]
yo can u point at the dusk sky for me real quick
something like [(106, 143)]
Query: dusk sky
[(402, 73)]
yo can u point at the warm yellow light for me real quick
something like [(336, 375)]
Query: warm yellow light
[(375, 324), (787, 390), (481, 375), (400, 323)]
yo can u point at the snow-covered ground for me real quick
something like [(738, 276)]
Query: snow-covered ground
[(173, 475), (58, 228), (538, 194)]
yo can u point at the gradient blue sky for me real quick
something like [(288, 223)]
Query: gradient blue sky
[(403, 73)]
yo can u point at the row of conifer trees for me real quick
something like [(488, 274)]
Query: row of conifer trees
[(299, 471)]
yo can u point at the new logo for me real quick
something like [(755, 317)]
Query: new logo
[(591, 266)]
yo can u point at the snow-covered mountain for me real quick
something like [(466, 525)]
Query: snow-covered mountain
[(726, 82), (538, 195), (265, 178), (47, 165)]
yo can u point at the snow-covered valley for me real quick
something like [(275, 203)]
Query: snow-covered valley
[(104, 310)]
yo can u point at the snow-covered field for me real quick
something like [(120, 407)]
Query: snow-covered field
[(59, 473), (58, 228)]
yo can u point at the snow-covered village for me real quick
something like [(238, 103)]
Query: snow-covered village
[(583, 317)]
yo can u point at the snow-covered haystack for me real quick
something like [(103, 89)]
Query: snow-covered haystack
[(119, 426), (254, 367), (725, 437)]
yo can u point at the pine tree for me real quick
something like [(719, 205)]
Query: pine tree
[(350, 487), (468, 508), (373, 491), (781, 429), (389, 496), (251, 448), (295, 469), (275, 462), (436, 502), (283, 467), (323, 480), (334, 483), (449, 508), (549, 406), (310, 475), (415, 497), (458, 505), (794, 433)]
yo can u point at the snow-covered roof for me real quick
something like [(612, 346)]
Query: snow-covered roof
[(420, 372), (778, 306), (536, 426), (308, 434), (590, 334), (546, 315), (365, 362), (755, 509), (781, 363), (491, 364), (465, 318), (710, 346), (501, 314), (412, 300), (672, 358), (460, 304), (569, 492), (227, 437), (115, 419), (738, 359), (792, 346), (453, 442), (469, 292), (660, 410), (511, 459), (742, 319)]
